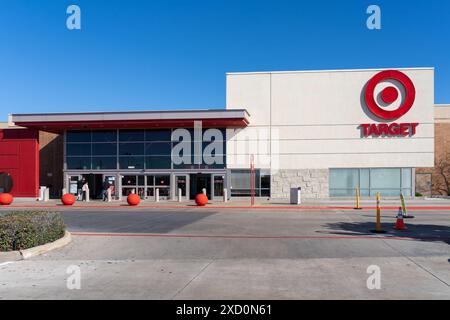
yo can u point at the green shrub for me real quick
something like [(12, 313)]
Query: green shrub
[(26, 229)]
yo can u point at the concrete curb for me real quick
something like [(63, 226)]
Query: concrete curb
[(10, 256), (32, 252)]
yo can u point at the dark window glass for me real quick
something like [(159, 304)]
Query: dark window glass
[(162, 180), (131, 149), (99, 163), (78, 136), (211, 166), (158, 162), (241, 187), (78, 149), (78, 163), (158, 148), (104, 136), (128, 180), (131, 135), (104, 149), (265, 181), (150, 180), (157, 135), (141, 180), (131, 162), (164, 192)]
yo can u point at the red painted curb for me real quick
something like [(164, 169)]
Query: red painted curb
[(153, 235)]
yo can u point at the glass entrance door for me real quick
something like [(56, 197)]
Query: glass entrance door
[(218, 185), (73, 184), (181, 182), (198, 182)]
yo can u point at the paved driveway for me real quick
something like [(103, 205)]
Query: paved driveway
[(238, 254)]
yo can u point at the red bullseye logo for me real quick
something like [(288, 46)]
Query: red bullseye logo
[(390, 94)]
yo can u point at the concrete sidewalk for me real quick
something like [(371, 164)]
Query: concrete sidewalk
[(331, 204)]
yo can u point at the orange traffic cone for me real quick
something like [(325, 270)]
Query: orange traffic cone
[(400, 224)]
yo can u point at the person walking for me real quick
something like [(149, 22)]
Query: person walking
[(79, 189), (106, 186), (85, 190)]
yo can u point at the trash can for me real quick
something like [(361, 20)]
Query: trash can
[(296, 195)]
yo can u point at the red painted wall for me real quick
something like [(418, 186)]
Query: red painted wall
[(19, 156)]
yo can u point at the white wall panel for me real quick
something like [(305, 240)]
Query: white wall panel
[(313, 118)]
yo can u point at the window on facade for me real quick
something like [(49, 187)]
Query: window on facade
[(131, 149), (241, 186), (162, 180), (102, 163), (134, 149), (131, 135), (158, 148), (104, 136), (104, 149), (390, 182), (78, 149), (131, 162), (158, 135), (129, 180), (78, 136), (158, 162), (78, 163)]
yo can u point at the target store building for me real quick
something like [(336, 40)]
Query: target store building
[(328, 132)]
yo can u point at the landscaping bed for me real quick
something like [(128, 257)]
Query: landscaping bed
[(21, 230)]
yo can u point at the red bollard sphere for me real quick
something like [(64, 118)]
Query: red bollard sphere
[(6, 199), (201, 199), (133, 199), (68, 199)]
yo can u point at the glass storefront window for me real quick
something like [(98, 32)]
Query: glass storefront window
[(385, 178), (240, 183), (131, 149), (131, 162), (78, 163), (344, 179), (104, 149), (162, 180), (102, 163), (158, 148), (131, 135), (78, 136), (158, 162), (78, 149), (129, 180), (389, 182), (104, 136), (158, 135)]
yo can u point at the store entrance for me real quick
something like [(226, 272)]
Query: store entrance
[(198, 182), (95, 183)]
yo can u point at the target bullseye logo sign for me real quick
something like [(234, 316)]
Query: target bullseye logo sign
[(388, 96)]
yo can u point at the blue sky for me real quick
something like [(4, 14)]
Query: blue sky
[(135, 55)]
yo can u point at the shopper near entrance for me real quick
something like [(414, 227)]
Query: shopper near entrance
[(85, 190), (79, 189), (106, 186)]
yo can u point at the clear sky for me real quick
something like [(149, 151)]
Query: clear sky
[(168, 54)]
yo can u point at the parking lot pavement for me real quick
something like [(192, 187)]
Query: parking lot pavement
[(238, 254)]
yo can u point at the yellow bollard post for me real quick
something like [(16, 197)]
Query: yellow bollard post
[(358, 207), (378, 225), (404, 211)]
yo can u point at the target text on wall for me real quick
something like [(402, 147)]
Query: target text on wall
[(387, 97)]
